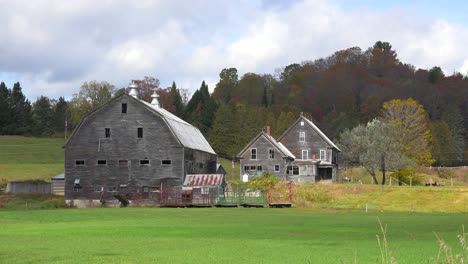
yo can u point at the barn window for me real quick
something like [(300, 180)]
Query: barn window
[(323, 154), (102, 162), (124, 108), (140, 132), (253, 154), (305, 154), (144, 162), (79, 163), (123, 162), (107, 132), (277, 168), (76, 185), (271, 153), (301, 136), (146, 189), (200, 165), (293, 170), (98, 189), (112, 189), (166, 162)]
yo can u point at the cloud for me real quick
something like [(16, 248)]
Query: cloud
[(52, 47)]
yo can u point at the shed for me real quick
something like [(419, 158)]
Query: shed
[(34, 186), (58, 184)]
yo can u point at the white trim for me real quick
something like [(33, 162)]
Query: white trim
[(279, 168), (251, 154), (324, 158), (302, 136)]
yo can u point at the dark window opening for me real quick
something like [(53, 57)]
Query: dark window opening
[(107, 132), (272, 153), (166, 162), (79, 162), (277, 168), (144, 162), (246, 168), (123, 162), (98, 189), (140, 132), (253, 154), (102, 162), (292, 170), (200, 165), (124, 108), (253, 168), (259, 168), (112, 189)]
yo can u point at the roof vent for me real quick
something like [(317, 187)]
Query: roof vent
[(133, 89), (154, 99)]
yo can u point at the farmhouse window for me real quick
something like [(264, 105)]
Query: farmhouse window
[(107, 132), (301, 136), (277, 168), (259, 168), (166, 162), (293, 170), (123, 162), (253, 168), (271, 153), (79, 163), (302, 123), (144, 162), (140, 132), (253, 154), (323, 154), (246, 168), (124, 108), (305, 154), (102, 162)]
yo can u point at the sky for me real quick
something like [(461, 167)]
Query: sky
[(51, 46)]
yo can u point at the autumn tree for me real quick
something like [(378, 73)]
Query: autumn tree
[(228, 79), (412, 123), (91, 95), (146, 87)]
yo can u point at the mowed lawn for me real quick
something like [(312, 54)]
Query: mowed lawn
[(23, 158), (215, 235)]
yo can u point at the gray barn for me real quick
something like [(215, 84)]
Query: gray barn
[(302, 153), (131, 148)]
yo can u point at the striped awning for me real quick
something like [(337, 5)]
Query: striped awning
[(203, 179)]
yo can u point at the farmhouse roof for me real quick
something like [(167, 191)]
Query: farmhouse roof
[(285, 151), (188, 135), (314, 127)]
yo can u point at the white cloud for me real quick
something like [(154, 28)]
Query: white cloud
[(54, 46)]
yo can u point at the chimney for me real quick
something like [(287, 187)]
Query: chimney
[(155, 100), (268, 130), (133, 89)]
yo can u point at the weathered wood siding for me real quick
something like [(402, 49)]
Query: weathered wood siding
[(199, 162), (263, 145), (89, 144)]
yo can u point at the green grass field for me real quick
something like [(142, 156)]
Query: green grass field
[(214, 235), (23, 158)]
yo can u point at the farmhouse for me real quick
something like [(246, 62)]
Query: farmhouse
[(130, 148), (302, 153)]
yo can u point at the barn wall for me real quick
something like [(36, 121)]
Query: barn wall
[(89, 144), (199, 162), (263, 145)]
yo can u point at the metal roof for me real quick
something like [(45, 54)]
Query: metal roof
[(281, 147), (273, 141), (188, 135), (203, 180), (59, 177)]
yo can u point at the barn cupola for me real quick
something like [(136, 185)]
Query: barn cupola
[(155, 99), (133, 89)]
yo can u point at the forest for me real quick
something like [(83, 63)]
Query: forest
[(348, 89)]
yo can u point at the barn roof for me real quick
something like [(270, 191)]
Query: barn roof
[(273, 141), (188, 135)]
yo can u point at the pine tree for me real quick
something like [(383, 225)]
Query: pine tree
[(179, 106), (60, 115), (5, 109), (42, 117), (21, 112)]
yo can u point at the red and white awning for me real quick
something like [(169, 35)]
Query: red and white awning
[(203, 179)]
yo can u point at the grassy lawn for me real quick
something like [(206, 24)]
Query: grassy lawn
[(23, 158), (237, 235)]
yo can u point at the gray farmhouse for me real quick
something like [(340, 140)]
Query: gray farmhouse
[(302, 153), (133, 148)]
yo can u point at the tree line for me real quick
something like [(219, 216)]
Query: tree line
[(343, 91)]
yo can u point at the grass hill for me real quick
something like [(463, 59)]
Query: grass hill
[(24, 158)]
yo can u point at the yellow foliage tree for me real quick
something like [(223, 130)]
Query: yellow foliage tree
[(412, 123)]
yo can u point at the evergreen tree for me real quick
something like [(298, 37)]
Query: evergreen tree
[(42, 117), (5, 111), (179, 106), (60, 115), (21, 112)]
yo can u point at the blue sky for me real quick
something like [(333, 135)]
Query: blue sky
[(52, 47)]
